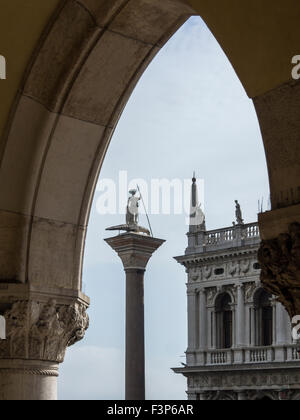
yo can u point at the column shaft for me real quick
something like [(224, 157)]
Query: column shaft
[(240, 318), (192, 320), (202, 321), (135, 342)]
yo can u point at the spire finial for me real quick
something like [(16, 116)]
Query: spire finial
[(194, 178)]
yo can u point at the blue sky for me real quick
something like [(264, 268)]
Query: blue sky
[(189, 112)]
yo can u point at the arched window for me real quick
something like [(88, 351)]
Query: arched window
[(224, 321), (263, 318)]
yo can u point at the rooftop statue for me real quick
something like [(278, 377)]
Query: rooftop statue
[(132, 216), (238, 213)]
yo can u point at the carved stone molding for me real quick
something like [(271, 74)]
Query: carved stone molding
[(280, 268), (42, 331)]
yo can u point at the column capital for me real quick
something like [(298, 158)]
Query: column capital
[(42, 331), (135, 250), (280, 267)]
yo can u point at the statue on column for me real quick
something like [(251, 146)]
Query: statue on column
[(238, 213), (132, 214)]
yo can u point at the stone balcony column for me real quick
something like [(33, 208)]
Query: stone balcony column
[(38, 332), (135, 250)]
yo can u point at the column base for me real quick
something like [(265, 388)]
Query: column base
[(26, 380)]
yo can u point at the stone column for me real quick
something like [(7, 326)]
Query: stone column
[(192, 319), (214, 329), (253, 326), (280, 325), (240, 317), (202, 320), (38, 333), (135, 250)]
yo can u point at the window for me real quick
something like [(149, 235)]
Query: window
[(219, 271), (224, 321), (263, 318), (256, 266)]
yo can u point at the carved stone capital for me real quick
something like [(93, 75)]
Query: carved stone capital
[(280, 268), (42, 331)]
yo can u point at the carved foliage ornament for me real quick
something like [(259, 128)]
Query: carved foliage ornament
[(38, 331), (280, 268)]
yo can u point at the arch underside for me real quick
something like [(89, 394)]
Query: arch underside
[(80, 76)]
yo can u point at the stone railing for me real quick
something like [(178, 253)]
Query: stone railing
[(246, 355), (237, 235), (261, 354), (219, 357)]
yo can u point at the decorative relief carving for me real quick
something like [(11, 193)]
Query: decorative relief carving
[(210, 295), (195, 274), (38, 331), (245, 266), (207, 272), (249, 290), (233, 268), (243, 379), (280, 268)]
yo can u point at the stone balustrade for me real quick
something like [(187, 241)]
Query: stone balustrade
[(250, 355), (237, 235)]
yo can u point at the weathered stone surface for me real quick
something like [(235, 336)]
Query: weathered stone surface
[(103, 11), (278, 114), (105, 78), (24, 153), (53, 251), (14, 230), (66, 172), (60, 58), (144, 19)]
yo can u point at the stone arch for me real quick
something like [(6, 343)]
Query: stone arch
[(79, 81), (84, 68), (87, 60)]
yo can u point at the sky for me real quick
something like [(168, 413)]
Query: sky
[(189, 112)]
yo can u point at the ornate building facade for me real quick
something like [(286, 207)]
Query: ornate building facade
[(240, 344)]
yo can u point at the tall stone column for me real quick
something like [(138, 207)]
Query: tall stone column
[(135, 250), (38, 332)]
